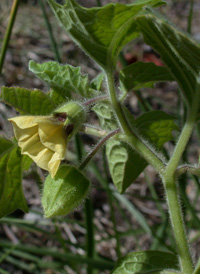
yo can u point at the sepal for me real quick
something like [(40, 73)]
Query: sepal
[(64, 192), (73, 114)]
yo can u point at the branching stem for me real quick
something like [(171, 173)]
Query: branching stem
[(94, 100), (96, 148), (146, 152), (167, 173), (170, 183)]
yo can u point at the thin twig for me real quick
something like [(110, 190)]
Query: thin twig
[(8, 32), (97, 147)]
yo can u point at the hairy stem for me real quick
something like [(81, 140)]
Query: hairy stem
[(146, 152), (178, 226), (185, 134), (94, 100), (195, 170), (170, 182), (97, 147)]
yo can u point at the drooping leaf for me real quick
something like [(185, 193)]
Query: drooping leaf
[(156, 127), (179, 52), (63, 79), (105, 114), (11, 192), (26, 101), (141, 74), (64, 192), (125, 164), (101, 32), (146, 262)]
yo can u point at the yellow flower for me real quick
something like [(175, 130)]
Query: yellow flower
[(42, 138)]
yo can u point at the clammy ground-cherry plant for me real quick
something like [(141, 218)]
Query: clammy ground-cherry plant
[(48, 121)]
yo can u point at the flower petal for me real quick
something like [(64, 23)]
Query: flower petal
[(24, 127), (23, 122), (42, 138), (52, 135), (43, 158), (32, 145), (54, 164)]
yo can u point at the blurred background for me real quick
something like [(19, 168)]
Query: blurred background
[(134, 221)]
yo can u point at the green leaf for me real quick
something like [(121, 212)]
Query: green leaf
[(156, 127), (56, 95), (165, 272), (105, 114), (124, 163), (64, 192), (11, 192), (146, 262), (26, 162), (97, 82), (139, 75), (101, 32), (26, 101), (179, 52), (5, 146), (64, 79)]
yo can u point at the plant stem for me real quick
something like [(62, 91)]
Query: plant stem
[(185, 134), (147, 153), (96, 148), (94, 100), (195, 170), (172, 195), (90, 241), (49, 28), (170, 182), (8, 32)]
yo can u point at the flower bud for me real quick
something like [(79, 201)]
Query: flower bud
[(75, 116), (64, 192)]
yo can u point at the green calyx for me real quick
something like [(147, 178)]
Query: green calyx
[(63, 193), (73, 114)]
